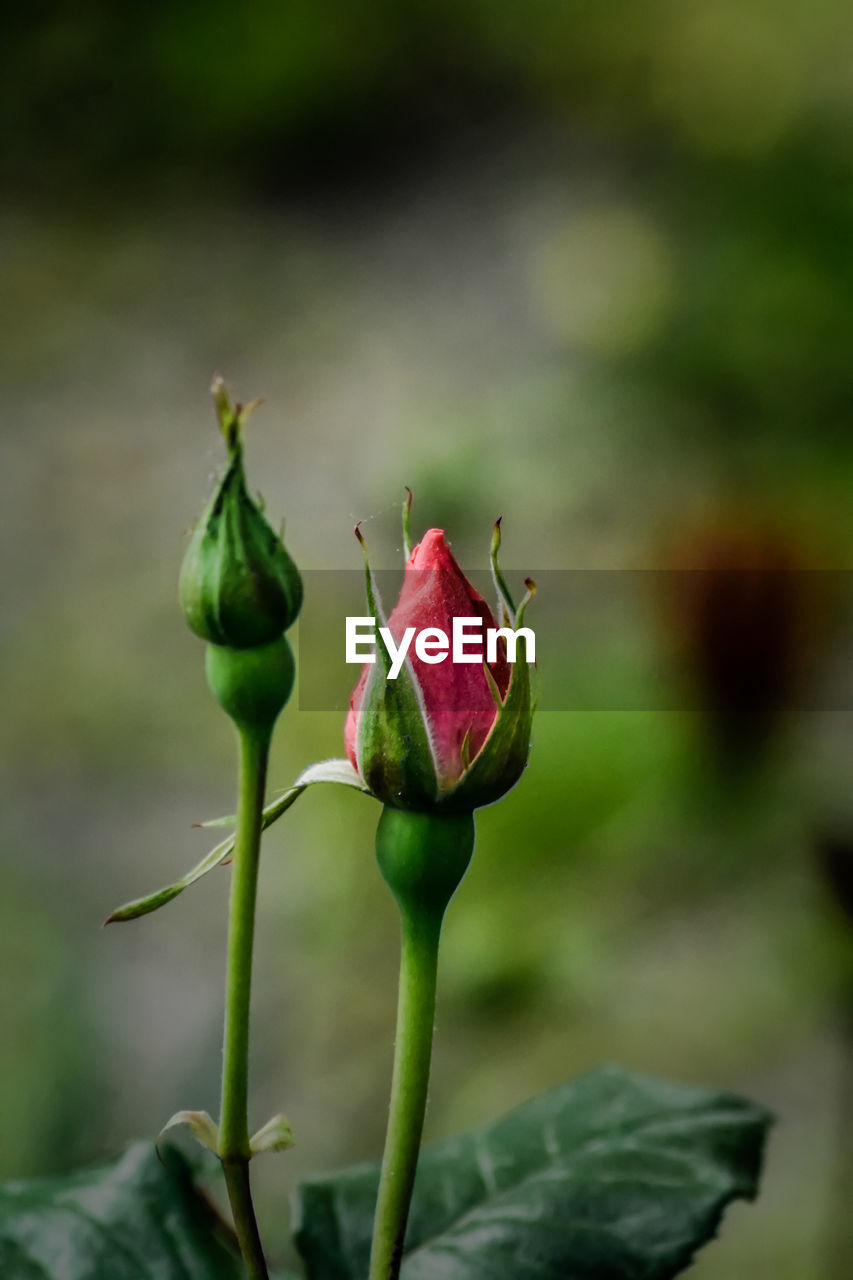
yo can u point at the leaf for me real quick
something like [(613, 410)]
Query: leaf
[(137, 1219), (613, 1176), (275, 1135), (340, 771), (201, 1125)]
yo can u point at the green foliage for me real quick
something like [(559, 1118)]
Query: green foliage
[(612, 1176), (140, 1217)]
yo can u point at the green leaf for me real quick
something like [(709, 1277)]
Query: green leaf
[(340, 771), (137, 1219), (612, 1176), (275, 1135)]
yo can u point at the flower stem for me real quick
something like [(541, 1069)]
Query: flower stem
[(234, 1126), (422, 858), (412, 1053)]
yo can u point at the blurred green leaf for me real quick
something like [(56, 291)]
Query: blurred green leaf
[(134, 1219), (612, 1176)]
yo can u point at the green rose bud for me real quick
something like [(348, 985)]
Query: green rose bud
[(238, 586)]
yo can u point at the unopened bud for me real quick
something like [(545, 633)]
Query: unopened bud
[(238, 585)]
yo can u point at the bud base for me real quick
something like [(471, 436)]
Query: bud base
[(252, 685), (423, 857)]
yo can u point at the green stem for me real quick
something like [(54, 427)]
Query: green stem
[(412, 1053), (245, 1222), (234, 1124)]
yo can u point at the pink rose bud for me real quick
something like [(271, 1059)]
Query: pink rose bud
[(442, 734)]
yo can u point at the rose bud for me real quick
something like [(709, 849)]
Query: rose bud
[(238, 586), (442, 735)]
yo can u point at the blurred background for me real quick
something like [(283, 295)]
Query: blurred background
[(590, 267)]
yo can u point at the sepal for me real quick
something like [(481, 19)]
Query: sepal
[(506, 607), (407, 522), (393, 750), (502, 758)]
